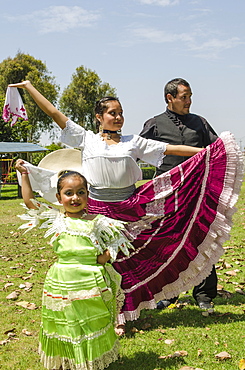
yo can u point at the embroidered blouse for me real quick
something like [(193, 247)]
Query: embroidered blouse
[(112, 166)]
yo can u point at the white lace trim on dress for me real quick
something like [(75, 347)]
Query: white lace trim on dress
[(57, 302), (69, 364), (104, 232)]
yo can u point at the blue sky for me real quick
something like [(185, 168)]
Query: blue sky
[(137, 46)]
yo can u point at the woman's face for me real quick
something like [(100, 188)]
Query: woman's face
[(112, 118)]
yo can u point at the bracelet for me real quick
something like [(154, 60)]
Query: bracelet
[(25, 173)]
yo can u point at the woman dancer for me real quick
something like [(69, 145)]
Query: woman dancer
[(178, 221)]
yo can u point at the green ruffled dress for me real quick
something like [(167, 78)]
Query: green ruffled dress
[(81, 298)]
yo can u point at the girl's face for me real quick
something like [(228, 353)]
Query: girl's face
[(112, 118), (73, 196)]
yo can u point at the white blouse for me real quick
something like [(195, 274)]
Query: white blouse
[(112, 166)]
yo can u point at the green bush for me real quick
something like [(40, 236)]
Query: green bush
[(37, 157), (148, 172), (12, 177)]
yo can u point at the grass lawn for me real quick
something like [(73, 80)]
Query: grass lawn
[(161, 339)]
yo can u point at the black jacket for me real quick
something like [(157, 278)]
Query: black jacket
[(172, 128)]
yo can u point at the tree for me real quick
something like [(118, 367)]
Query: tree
[(25, 67), (78, 99), (37, 157)]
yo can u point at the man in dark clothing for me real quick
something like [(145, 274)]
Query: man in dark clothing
[(177, 126)]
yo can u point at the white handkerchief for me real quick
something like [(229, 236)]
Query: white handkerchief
[(13, 106), (42, 181)]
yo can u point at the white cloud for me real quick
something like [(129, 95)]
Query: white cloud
[(193, 42), (59, 18), (160, 2), (198, 13), (216, 44), (142, 34), (212, 48), (236, 66)]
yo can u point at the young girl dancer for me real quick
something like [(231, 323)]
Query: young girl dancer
[(81, 294)]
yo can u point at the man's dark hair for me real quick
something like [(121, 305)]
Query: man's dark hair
[(172, 87)]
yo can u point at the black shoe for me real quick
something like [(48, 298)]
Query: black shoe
[(205, 305), (165, 303)]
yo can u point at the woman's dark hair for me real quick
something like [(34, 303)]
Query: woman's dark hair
[(65, 174), (100, 107), (171, 87)]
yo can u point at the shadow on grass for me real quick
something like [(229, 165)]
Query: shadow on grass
[(190, 315), (8, 192), (146, 361), (13, 192), (236, 299), (10, 197)]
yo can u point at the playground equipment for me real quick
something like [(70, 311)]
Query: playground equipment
[(6, 169), (13, 150)]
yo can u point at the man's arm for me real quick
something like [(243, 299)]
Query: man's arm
[(148, 131), (210, 136)]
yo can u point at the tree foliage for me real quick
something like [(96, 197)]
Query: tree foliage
[(37, 157), (25, 67), (78, 99)]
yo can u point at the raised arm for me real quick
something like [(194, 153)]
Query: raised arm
[(26, 189), (43, 103), (182, 150)]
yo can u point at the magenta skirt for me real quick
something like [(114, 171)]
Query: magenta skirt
[(178, 222)]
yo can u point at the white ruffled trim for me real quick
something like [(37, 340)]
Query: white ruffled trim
[(134, 315), (69, 364), (108, 233), (104, 232), (34, 216), (117, 279), (57, 302), (79, 339)]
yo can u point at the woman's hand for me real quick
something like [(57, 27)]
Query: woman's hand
[(21, 85)]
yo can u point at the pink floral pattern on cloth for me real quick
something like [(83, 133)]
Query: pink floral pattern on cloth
[(13, 106)]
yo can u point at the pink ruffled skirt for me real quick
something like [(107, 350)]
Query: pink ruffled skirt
[(178, 222)]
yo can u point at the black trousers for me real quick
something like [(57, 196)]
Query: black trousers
[(206, 290)]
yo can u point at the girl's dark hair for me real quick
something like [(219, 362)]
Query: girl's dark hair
[(100, 107), (65, 174)]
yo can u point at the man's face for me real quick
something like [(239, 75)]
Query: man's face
[(182, 102)]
